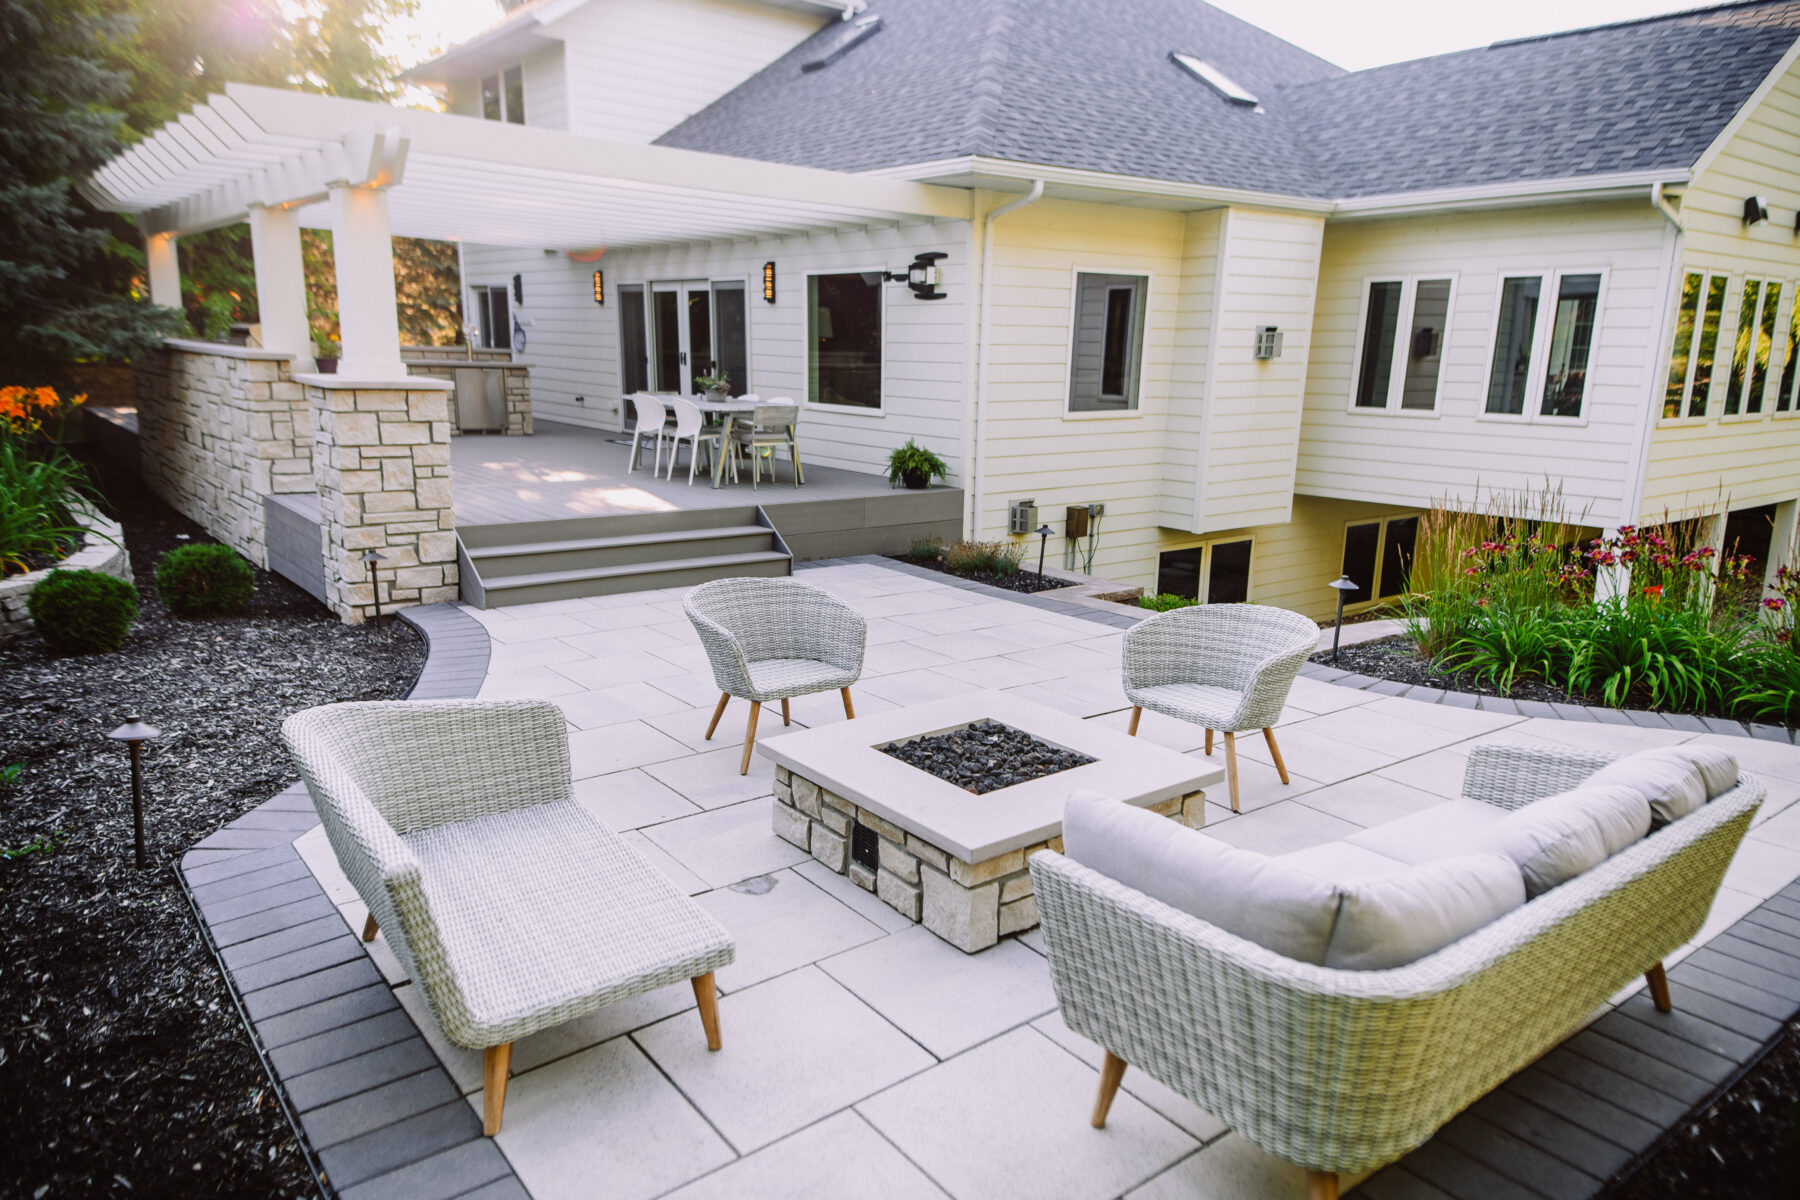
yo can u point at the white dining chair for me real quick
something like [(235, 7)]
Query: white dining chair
[(651, 416), (690, 426)]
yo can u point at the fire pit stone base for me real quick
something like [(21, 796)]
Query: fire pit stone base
[(969, 905)]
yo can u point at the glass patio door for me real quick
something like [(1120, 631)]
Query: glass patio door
[(681, 319)]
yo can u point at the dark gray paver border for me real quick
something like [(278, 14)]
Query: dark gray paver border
[(375, 1112)]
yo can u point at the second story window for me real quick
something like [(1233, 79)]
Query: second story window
[(1106, 358), (503, 96), (1548, 346), (1696, 343), (1754, 344), (1388, 369)]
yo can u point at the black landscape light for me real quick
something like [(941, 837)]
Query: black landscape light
[(1043, 531), (135, 733), (1344, 585), (371, 558)]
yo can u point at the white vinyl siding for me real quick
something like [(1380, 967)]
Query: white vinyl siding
[(546, 91), (565, 349), (1349, 456), (1719, 460)]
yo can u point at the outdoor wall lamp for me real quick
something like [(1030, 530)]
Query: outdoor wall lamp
[(600, 288), (922, 275), (1344, 585), (518, 284), (1756, 210), (769, 282), (134, 733)]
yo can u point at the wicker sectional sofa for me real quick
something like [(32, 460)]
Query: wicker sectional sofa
[(1341, 1071)]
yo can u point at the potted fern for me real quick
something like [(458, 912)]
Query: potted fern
[(914, 466)]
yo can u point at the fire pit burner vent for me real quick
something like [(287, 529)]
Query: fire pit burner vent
[(985, 756), (865, 846)]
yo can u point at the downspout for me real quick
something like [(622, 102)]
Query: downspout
[(1662, 205), (981, 356)]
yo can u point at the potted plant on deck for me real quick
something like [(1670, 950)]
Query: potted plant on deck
[(914, 466), (718, 386)]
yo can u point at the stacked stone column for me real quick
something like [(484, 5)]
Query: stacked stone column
[(381, 463)]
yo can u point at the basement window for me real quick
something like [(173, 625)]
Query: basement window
[(1213, 78)]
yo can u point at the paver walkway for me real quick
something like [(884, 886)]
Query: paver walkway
[(864, 1057)]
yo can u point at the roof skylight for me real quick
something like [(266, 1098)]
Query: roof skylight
[(846, 40), (1213, 78)]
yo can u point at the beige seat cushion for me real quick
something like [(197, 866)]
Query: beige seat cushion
[(1263, 900), (1557, 838), (1441, 831), (1341, 862), (1391, 920)]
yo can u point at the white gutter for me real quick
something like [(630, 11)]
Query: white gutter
[(1662, 205), (981, 361)]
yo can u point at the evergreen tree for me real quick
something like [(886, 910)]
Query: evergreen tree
[(68, 286)]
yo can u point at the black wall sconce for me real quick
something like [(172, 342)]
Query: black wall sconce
[(600, 288), (922, 275), (518, 290), (1756, 210), (769, 282)]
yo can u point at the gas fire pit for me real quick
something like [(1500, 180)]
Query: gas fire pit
[(936, 807)]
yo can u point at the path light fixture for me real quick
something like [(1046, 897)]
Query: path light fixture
[(134, 733), (1344, 585), (1043, 531), (371, 558)]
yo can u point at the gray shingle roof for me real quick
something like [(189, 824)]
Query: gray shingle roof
[(1089, 85)]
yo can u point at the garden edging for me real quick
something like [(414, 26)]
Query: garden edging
[(104, 551)]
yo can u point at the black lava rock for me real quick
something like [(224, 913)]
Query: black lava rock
[(985, 756)]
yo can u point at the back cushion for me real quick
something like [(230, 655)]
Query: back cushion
[(1396, 919), (1557, 838), (1718, 767), (1262, 900), (1671, 780)]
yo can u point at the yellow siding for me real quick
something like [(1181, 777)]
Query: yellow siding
[(1412, 459), (1737, 462)]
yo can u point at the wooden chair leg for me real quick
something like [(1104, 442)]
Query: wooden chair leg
[(750, 737), (496, 1062), (707, 996), (1231, 767), (1209, 734), (1275, 753), (719, 711), (370, 929), (1321, 1185), (849, 709), (784, 713), (1111, 1072), (1659, 988), (1137, 712)]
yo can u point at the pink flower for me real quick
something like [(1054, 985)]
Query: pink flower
[(1774, 604)]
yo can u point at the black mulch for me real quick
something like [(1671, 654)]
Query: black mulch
[(1745, 1146), (985, 756), (1396, 658), (124, 1067), (1021, 581)]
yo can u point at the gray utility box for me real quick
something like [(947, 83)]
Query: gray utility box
[(480, 399)]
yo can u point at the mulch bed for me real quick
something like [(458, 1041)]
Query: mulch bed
[(1022, 581), (1397, 659), (985, 756), (1745, 1146), (124, 1067)]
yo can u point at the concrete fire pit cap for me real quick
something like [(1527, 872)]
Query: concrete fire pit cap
[(845, 758)]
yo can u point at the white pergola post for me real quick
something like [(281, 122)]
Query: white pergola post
[(164, 269), (281, 283), (364, 255)]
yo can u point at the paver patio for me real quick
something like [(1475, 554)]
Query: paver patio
[(863, 1056)]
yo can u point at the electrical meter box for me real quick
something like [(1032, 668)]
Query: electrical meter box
[(1021, 516), (1075, 521)]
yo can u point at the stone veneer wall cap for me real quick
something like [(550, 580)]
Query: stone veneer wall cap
[(226, 350)]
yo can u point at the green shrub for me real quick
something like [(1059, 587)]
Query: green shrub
[(983, 558), (915, 466), (924, 549), (1165, 602), (83, 612), (204, 580)]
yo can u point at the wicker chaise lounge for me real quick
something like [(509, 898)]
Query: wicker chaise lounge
[(774, 639), (510, 907), (1339, 1070)]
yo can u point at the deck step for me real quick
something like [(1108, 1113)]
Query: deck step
[(629, 577), (546, 557)]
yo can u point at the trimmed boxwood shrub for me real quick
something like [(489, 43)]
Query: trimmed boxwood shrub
[(83, 612), (206, 580)]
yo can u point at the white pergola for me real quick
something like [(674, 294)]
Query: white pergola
[(282, 160)]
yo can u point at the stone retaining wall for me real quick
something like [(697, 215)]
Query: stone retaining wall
[(104, 552)]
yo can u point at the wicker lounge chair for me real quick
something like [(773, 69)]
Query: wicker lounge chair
[(511, 908), (1227, 667), (1340, 1071), (773, 639)]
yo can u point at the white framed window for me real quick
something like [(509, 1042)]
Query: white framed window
[(1400, 343), (1539, 360), (1787, 389), (493, 313), (846, 314), (1378, 557), (1216, 572), (1695, 346), (1752, 346), (1106, 347), (503, 96)]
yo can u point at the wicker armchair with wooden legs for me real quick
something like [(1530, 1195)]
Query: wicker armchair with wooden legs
[(774, 639), (1227, 667), (511, 907)]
